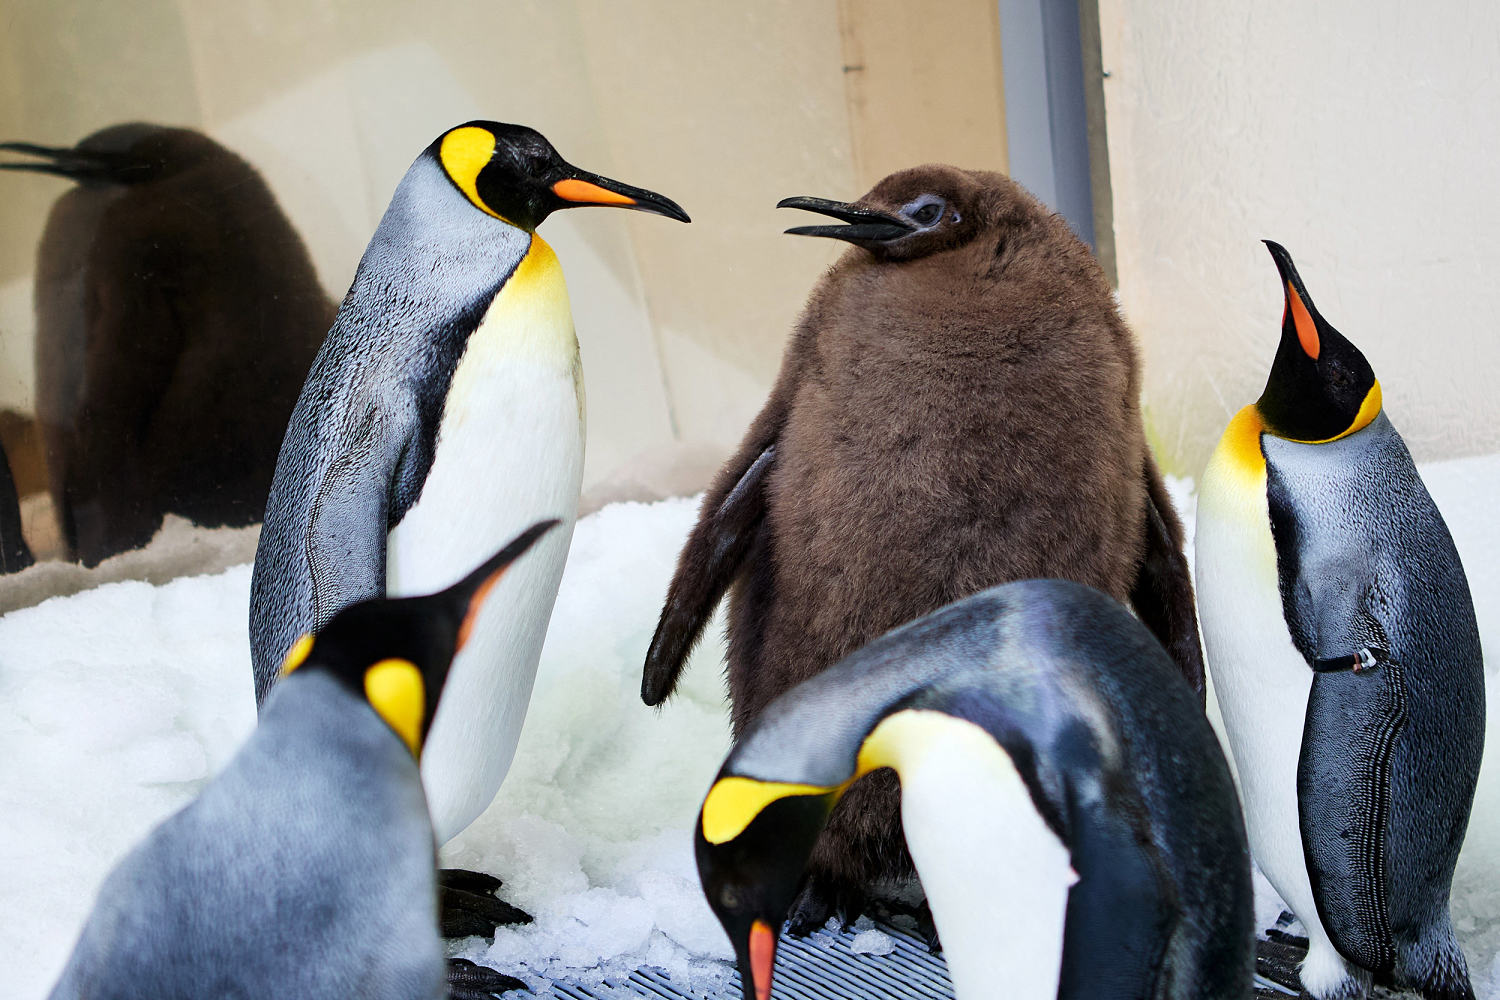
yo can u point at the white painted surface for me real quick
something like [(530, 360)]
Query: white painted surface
[(1360, 134)]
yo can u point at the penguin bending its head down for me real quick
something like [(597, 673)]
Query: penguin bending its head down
[(1069, 809), (306, 867), (177, 312), (1346, 662), (444, 411), (958, 407)]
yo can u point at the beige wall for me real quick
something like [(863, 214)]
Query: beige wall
[(1359, 133), (725, 107)]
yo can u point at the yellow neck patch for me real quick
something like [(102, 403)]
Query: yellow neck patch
[(395, 690), (298, 654), (1239, 454), (734, 802), (464, 153)]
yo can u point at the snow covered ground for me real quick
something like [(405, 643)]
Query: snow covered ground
[(121, 701)]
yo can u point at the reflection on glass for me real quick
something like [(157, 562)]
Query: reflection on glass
[(177, 315)]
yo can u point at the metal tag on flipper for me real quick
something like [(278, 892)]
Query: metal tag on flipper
[(1343, 793)]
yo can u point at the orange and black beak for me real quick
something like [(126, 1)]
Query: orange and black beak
[(579, 187), (1300, 317), (865, 227)]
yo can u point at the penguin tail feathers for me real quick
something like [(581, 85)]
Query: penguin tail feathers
[(1447, 977)]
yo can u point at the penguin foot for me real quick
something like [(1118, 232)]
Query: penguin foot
[(1282, 932), (468, 905), (891, 911), (467, 981), (823, 898)]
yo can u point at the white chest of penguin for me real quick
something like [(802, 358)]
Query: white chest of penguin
[(509, 452), (1261, 681)]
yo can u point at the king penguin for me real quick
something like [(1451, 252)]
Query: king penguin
[(177, 312), (306, 867), (958, 406), (444, 411), (1345, 658), (1070, 812)]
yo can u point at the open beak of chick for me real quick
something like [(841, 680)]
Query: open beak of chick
[(865, 226)]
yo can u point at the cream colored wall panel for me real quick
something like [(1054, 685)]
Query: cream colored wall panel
[(729, 109), (1360, 134)]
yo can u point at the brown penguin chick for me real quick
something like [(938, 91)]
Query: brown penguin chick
[(957, 408), (177, 314)]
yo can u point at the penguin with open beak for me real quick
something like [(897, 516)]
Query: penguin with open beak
[(1071, 815), (177, 313), (1346, 661), (444, 413), (306, 868), (958, 407)]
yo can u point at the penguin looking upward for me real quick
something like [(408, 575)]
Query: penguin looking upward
[(1070, 811), (306, 867), (1346, 662), (957, 407), (443, 413), (177, 313)]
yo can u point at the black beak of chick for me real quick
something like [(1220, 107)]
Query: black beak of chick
[(866, 227), (74, 164), (580, 187)]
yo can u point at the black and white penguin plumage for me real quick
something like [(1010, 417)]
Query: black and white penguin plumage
[(444, 412), (307, 867), (1345, 656), (1069, 810)]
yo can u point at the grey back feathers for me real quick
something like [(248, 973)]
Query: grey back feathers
[(305, 869), (1390, 756), (362, 436)]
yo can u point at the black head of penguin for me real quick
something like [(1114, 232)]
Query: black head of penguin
[(395, 653), (513, 173), (1321, 387), (751, 877)]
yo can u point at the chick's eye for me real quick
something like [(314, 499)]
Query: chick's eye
[(729, 897), (928, 213)]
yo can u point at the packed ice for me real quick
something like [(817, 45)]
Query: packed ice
[(122, 700)]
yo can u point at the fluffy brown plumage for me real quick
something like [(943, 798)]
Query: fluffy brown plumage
[(958, 407)]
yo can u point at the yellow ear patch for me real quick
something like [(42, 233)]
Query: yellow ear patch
[(395, 690), (734, 802), (298, 654), (464, 152)]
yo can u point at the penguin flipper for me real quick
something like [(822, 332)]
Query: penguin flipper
[(350, 519), (1163, 591), (1355, 712), (731, 517)]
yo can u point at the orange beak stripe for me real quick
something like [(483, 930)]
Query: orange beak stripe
[(1307, 331), (589, 194), (762, 956), (475, 603)]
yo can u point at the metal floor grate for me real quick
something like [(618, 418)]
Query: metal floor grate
[(821, 967), (818, 967)]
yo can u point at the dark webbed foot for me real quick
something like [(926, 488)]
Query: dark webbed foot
[(467, 904), (891, 910), (824, 898), (467, 981)]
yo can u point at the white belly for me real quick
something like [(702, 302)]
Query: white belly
[(996, 876), (509, 453), (1261, 681)]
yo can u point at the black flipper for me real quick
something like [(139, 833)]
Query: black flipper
[(710, 561), (467, 981), (1343, 793), (1163, 592)]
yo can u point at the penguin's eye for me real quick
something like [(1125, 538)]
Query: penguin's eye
[(1340, 376), (927, 214), (729, 897)]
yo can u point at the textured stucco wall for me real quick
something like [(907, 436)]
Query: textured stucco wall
[(1362, 134)]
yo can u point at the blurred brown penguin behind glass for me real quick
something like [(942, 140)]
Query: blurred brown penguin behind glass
[(957, 408), (177, 315)]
